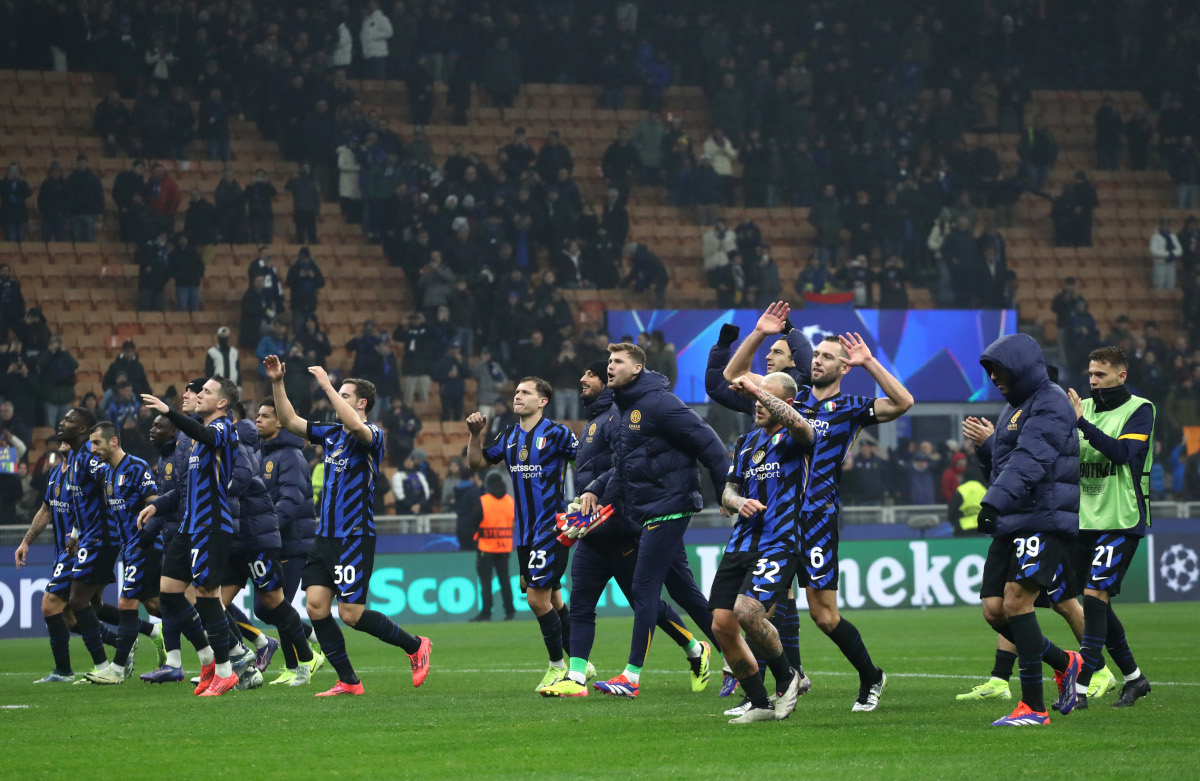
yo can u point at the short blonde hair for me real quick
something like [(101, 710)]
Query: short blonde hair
[(785, 382), (638, 354)]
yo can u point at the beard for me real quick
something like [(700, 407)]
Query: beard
[(825, 380)]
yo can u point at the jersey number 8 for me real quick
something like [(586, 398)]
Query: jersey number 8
[(341, 574)]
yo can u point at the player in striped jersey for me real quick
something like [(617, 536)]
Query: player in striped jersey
[(536, 451), (837, 419), (129, 485), (763, 492), (56, 510), (200, 552), (343, 556)]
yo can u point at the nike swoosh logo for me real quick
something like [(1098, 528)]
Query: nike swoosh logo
[(1027, 566), (747, 450), (627, 553), (760, 590), (652, 528), (514, 444)]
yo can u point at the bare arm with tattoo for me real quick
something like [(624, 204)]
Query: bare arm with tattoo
[(40, 521), (739, 505), (781, 411)]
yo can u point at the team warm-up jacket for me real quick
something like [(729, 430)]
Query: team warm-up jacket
[(657, 443), (1035, 448), (258, 525), (594, 458), (167, 475), (717, 387), (285, 472)]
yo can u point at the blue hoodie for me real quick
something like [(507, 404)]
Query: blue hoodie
[(1034, 452), (285, 473), (655, 446)]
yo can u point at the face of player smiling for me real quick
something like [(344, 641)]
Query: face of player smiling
[(1105, 375), (779, 357), (621, 369), (827, 367), (187, 404), (101, 447), (590, 387), (527, 401)]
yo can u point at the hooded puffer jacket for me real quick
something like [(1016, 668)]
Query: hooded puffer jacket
[(258, 525), (285, 473), (1035, 449)]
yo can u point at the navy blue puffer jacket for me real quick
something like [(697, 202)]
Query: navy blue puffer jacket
[(717, 387), (594, 458), (258, 525), (169, 474), (285, 473), (654, 449), (1035, 449)]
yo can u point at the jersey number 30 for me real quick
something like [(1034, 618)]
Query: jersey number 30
[(344, 574)]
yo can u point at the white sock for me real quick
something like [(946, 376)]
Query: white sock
[(631, 676), (561, 664), (206, 656), (174, 658), (1133, 676), (1080, 688), (578, 677), (224, 669), (261, 641), (693, 650), (118, 668), (240, 650)]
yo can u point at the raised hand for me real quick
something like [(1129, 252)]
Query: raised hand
[(772, 320), (155, 403), (1076, 402), (476, 422), (274, 368), (743, 385), (857, 349), (321, 375)]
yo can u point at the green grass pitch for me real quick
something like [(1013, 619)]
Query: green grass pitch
[(477, 716)]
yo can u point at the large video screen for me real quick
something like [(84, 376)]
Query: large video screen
[(934, 352)]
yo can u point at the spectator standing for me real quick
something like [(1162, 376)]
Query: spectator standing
[(719, 150), (313, 340), (258, 307), (14, 211), (154, 269), (893, 288), (222, 358), (410, 489), (113, 123), (306, 204), (200, 222), (646, 271), (53, 204), (126, 185), (648, 137), (1165, 253), (260, 208), (1138, 132), (187, 269), (56, 374), (12, 302), (489, 377), (162, 193), (564, 378), (304, 280), (402, 425), (274, 342), (230, 201), (1183, 164), (553, 157), (620, 162), (450, 371), (349, 163), (920, 477), (1038, 152), (86, 193), (764, 278), (420, 348), (123, 405), (826, 219), (180, 123), (127, 363), (1109, 129), (214, 126), (501, 71), (264, 263), (374, 35)]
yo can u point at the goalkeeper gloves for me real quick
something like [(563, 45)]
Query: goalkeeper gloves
[(575, 525)]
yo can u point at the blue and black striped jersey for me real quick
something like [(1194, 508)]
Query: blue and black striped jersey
[(537, 461), (836, 421), (773, 469), (128, 485), (85, 481), (210, 470), (58, 499), (348, 493)]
